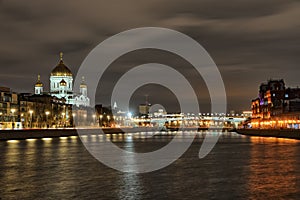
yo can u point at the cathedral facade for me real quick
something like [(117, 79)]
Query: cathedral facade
[(61, 86)]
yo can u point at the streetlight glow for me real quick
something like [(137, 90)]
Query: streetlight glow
[(13, 110)]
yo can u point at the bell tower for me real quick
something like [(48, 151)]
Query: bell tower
[(38, 87), (83, 88)]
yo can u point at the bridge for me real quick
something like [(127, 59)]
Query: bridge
[(183, 120)]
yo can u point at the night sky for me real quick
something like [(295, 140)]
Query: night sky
[(250, 41)]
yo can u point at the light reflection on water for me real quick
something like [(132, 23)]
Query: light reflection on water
[(238, 167), (131, 186), (264, 140), (273, 166)]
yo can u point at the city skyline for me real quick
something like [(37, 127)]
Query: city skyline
[(258, 42), (159, 99)]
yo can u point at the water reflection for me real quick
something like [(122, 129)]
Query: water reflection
[(273, 168), (269, 140), (238, 167), (130, 186)]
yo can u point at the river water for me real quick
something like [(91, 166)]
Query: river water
[(238, 167)]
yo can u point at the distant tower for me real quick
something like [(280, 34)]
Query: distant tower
[(115, 106), (82, 99), (38, 87), (147, 102), (83, 88)]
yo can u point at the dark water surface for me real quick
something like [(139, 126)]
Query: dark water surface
[(238, 167)]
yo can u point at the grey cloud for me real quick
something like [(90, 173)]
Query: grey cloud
[(250, 41)]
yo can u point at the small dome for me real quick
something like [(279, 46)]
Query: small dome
[(39, 83), (63, 82), (61, 69)]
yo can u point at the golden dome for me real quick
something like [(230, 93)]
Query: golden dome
[(63, 82), (39, 83), (61, 69)]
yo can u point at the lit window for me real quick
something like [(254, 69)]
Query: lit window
[(286, 96)]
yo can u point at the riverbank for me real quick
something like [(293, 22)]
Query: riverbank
[(19, 134), (279, 133)]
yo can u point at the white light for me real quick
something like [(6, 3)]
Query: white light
[(47, 139), (31, 140), (13, 141)]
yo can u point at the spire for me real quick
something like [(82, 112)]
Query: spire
[(61, 54), (38, 82), (146, 96), (115, 106)]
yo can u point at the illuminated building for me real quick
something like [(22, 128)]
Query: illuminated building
[(42, 111), (61, 86), (270, 101), (144, 109), (60, 107), (61, 81), (276, 106), (9, 108)]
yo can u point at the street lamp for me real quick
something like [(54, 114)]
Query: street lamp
[(74, 122), (47, 113), (115, 119), (13, 116), (94, 117), (13, 111), (101, 116), (108, 118), (30, 112), (63, 116)]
